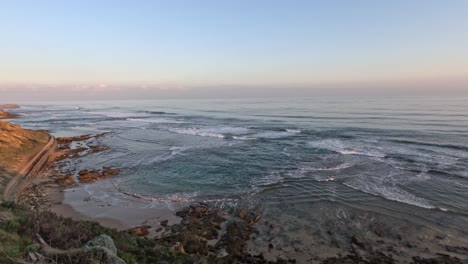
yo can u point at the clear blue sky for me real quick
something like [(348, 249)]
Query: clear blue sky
[(200, 43)]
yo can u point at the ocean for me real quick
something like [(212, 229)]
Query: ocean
[(319, 170)]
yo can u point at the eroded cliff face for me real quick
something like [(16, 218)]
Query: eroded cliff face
[(18, 144), (5, 114), (21, 153)]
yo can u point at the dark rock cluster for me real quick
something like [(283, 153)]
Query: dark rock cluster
[(86, 176)]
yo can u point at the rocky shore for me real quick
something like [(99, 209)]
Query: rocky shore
[(202, 233), (6, 115)]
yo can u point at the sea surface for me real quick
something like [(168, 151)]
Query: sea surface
[(321, 168)]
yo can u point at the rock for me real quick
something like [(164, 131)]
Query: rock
[(34, 257), (31, 257), (199, 210), (139, 230), (181, 248), (164, 223), (62, 140), (109, 171), (199, 225), (103, 250), (66, 180), (6, 115), (257, 218), (359, 242), (64, 147), (9, 106), (349, 259), (236, 237), (443, 259), (184, 212), (86, 176)]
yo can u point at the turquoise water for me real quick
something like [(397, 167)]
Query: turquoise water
[(302, 161)]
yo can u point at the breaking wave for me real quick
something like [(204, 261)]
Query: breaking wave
[(156, 120), (343, 148), (391, 192)]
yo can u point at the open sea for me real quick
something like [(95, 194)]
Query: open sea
[(319, 169)]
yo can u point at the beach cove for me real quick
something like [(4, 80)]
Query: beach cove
[(157, 216)]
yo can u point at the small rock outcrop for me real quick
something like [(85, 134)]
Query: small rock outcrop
[(9, 106), (86, 176), (139, 230), (100, 249), (6, 115), (103, 250)]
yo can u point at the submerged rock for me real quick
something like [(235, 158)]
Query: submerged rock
[(205, 231), (199, 224), (66, 180), (86, 176), (62, 140)]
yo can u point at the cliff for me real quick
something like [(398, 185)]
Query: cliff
[(22, 152), (5, 114)]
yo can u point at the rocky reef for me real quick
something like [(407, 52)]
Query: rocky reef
[(6, 115), (86, 176)]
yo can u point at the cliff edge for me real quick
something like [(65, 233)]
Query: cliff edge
[(22, 152)]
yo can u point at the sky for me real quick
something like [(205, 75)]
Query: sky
[(232, 48)]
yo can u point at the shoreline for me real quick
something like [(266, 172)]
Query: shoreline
[(49, 187), (33, 171), (48, 193), (62, 209)]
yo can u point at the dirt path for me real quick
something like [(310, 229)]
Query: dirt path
[(32, 167)]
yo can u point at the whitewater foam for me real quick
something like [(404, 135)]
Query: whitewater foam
[(391, 192), (217, 132), (348, 148), (276, 134), (156, 120), (196, 132), (117, 114)]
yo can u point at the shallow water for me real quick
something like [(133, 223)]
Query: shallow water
[(310, 164)]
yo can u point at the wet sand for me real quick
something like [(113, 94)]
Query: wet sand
[(115, 216)]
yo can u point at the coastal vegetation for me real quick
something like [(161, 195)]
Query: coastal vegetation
[(20, 229)]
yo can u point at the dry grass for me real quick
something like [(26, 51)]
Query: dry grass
[(17, 144)]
